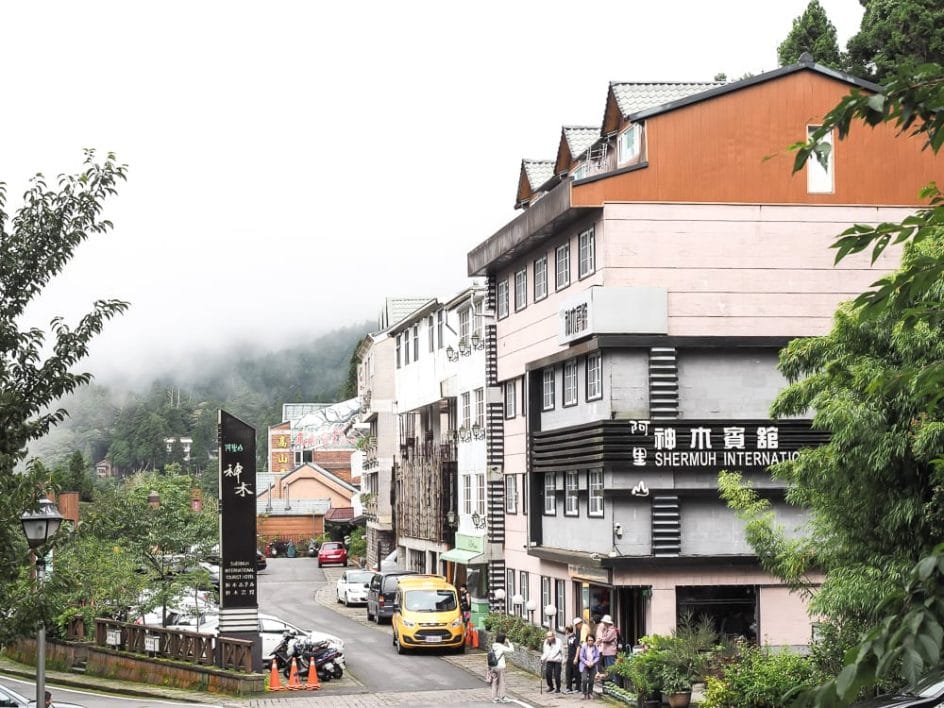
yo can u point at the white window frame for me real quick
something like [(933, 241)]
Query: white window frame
[(467, 494), (406, 347), (432, 334), (399, 358), (440, 317), (586, 253), (595, 493), (560, 601), (540, 278), (502, 297), (548, 389), (416, 342), (480, 408), (521, 289), (466, 410), (509, 590), (550, 498), (562, 266), (511, 398), (820, 180), (571, 492), (511, 494), (630, 143), (545, 600), (524, 589), (465, 323), (570, 394), (594, 377), (480, 497)]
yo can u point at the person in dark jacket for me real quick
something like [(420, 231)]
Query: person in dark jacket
[(571, 675)]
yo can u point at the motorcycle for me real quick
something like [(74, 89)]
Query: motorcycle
[(328, 658)]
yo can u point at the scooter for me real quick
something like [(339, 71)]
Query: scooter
[(329, 660)]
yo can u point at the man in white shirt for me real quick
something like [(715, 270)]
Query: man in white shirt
[(552, 654)]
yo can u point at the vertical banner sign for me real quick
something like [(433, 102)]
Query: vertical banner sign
[(237, 513)]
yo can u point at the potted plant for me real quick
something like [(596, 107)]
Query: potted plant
[(643, 671), (676, 686)]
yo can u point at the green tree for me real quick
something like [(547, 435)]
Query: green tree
[(35, 245), (811, 32), (897, 34)]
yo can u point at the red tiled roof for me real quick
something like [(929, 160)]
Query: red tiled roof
[(343, 513)]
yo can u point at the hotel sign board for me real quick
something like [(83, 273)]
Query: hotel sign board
[(237, 442), (598, 310)]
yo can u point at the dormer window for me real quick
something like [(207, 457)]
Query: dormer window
[(630, 143), (581, 171)]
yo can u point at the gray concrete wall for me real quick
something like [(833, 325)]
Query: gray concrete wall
[(730, 383), (709, 527)]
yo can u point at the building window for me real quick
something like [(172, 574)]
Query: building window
[(503, 298), (467, 494), (416, 342), (594, 377), (586, 262), (524, 588), (563, 266), (477, 319), (560, 602), (439, 329), (398, 351), (432, 333), (546, 600), (511, 398), (521, 289), (819, 179), (524, 494), (630, 143), (509, 589), (406, 347), (466, 410), (547, 378), (595, 488), (570, 382), (550, 498), (480, 408), (570, 494), (511, 494), (480, 497), (465, 323), (540, 278)]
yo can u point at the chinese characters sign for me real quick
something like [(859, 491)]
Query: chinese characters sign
[(735, 445), (237, 512)]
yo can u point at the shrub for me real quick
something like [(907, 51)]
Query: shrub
[(516, 629), (759, 678)]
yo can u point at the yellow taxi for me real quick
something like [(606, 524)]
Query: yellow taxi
[(426, 614)]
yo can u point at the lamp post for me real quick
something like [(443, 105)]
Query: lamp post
[(517, 600), (531, 606), (550, 611), (38, 527)]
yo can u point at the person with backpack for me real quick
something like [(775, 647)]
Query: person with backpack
[(588, 659), (497, 655)]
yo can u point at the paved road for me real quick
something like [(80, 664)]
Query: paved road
[(288, 589), (92, 700)]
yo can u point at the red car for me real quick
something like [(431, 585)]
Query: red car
[(332, 552)]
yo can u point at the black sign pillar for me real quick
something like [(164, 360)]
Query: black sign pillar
[(239, 611)]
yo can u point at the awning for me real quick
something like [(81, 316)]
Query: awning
[(457, 555)]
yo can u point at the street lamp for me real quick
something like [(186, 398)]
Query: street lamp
[(531, 606), (550, 611), (517, 600), (38, 527)]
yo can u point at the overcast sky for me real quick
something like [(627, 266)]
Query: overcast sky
[(293, 163)]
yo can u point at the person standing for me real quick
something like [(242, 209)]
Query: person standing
[(465, 603), (572, 640), (48, 700), (501, 647), (588, 659), (552, 654), (607, 641)]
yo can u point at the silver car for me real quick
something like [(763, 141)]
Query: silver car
[(352, 587), (11, 699)]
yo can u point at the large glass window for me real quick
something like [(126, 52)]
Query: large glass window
[(480, 408), (547, 380), (561, 604), (540, 278), (563, 266), (521, 289), (511, 494), (630, 142), (502, 296), (550, 498), (465, 323), (570, 382), (595, 488), (467, 494), (570, 494), (480, 497), (586, 262), (466, 410), (594, 377)]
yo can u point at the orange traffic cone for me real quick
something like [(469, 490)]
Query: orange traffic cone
[(293, 683), (475, 636), (312, 684), (274, 683), (469, 628)]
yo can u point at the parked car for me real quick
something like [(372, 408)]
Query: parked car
[(426, 614), (11, 699), (272, 630), (352, 586), (929, 691), (332, 552), (382, 592), (261, 562)]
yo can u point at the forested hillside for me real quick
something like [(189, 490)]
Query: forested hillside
[(128, 426)]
